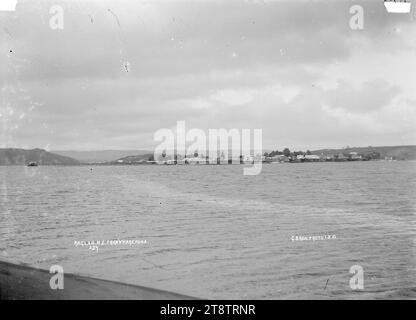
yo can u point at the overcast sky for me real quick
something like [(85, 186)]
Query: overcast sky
[(120, 70)]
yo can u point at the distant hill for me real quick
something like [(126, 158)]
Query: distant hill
[(396, 152), (11, 156), (100, 156), (133, 159)]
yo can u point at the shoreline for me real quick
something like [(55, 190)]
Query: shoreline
[(20, 282), (104, 164)]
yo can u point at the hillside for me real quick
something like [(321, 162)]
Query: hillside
[(138, 159), (396, 152), (100, 156), (12, 156)]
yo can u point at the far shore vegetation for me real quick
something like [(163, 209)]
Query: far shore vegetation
[(34, 157)]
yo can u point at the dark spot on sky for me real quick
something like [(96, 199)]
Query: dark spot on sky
[(115, 16)]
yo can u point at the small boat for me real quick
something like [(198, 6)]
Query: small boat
[(32, 164)]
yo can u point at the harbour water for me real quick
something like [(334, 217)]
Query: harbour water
[(212, 232)]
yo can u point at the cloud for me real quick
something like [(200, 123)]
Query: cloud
[(231, 64), (363, 97)]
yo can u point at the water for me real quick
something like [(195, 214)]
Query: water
[(212, 232)]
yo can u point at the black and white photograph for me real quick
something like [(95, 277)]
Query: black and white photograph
[(239, 150)]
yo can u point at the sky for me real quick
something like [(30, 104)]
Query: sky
[(119, 71)]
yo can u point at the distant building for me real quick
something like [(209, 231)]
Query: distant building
[(329, 157), (354, 156), (278, 158), (312, 158), (340, 157)]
